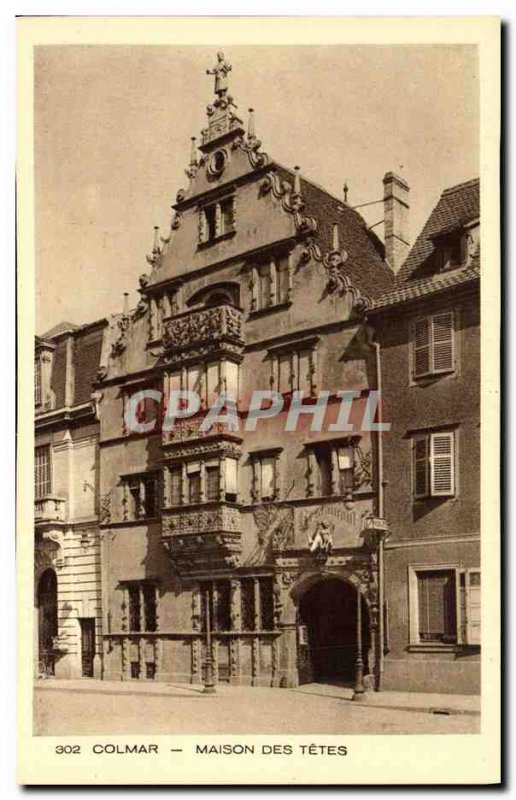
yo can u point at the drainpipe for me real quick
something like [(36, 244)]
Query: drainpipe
[(380, 511)]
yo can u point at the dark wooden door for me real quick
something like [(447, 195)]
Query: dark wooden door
[(87, 646)]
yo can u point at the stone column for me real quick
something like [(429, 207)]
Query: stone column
[(235, 671)]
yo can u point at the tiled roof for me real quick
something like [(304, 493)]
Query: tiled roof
[(365, 267), (457, 206), (411, 290), (61, 327)]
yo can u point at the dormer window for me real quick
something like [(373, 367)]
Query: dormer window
[(216, 221), (452, 250)]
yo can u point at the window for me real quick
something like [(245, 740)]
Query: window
[(255, 591), (265, 482), (293, 370), (141, 603), (212, 482), (434, 465), (444, 605), (37, 382), (216, 220), (175, 486), (221, 379), (42, 474), (231, 476), (193, 478), (271, 284), (433, 345), (141, 498), (452, 250), (217, 593), (334, 468)]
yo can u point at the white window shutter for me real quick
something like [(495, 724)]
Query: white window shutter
[(473, 607), (442, 338), (231, 476), (267, 470), (442, 464), (421, 343), (203, 227), (420, 468), (232, 380)]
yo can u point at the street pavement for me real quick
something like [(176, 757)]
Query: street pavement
[(90, 707)]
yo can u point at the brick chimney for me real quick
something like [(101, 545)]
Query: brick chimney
[(395, 209)]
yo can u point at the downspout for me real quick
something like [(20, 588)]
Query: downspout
[(380, 512)]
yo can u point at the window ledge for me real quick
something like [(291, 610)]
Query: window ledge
[(261, 312), (221, 238), (431, 377)]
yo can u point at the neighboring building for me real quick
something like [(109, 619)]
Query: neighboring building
[(428, 328), (67, 566), (261, 282)]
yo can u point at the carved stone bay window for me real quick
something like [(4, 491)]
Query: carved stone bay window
[(212, 480), (333, 468), (209, 380), (265, 481), (140, 496), (294, 367), (271, 283), (216, 221)]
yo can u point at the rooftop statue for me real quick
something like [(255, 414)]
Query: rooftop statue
[(220, 70)]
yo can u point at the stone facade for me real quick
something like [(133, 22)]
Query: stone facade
[(67, 547)]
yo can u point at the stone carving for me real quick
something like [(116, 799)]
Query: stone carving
[(118, 347), (320, 540), (220, 71), (363, 468), (211, 324), (288, 577), (276, 532), (95, 400), (337, 281), (105, 509), (291, 201), (220, 518), (144, 280), (181, 195), (176, 222), (251, 147)]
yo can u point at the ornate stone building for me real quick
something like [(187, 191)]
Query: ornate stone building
[(263, 535), (67, 599)]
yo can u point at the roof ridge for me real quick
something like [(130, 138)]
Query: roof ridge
[(460, 186)]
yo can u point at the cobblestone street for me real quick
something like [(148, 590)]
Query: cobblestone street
[(95, 707)]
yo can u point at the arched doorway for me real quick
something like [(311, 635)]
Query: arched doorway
[(47, 620), (327, 634)]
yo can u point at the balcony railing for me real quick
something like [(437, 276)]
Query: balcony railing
[(50, 509), (205, 327)]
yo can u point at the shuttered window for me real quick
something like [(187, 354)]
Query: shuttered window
[(434, 465), (470, 606), (433, 345), (437, 608)]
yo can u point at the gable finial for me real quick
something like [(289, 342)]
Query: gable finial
[(155, 244), (193, 152), (297, 181), (336, 242), (346, 189), (250, 125), (220, 71), (125, 312)]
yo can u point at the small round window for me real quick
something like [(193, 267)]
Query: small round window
[(218, 161)]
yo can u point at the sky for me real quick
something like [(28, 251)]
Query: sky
[(112, 141)]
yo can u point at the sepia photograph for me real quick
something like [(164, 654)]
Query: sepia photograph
[(257, 392)]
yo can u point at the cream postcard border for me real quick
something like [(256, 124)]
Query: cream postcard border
[(469, 758)]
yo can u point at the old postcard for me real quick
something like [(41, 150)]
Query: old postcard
[(259, 289)]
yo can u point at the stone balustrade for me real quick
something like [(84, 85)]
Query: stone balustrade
[(49, 509)]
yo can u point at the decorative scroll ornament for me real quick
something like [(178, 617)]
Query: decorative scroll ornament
[(251, 146), (120, 344), (362, 468), (337, 281), (154, 259), (291, 201), (276, 531)]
